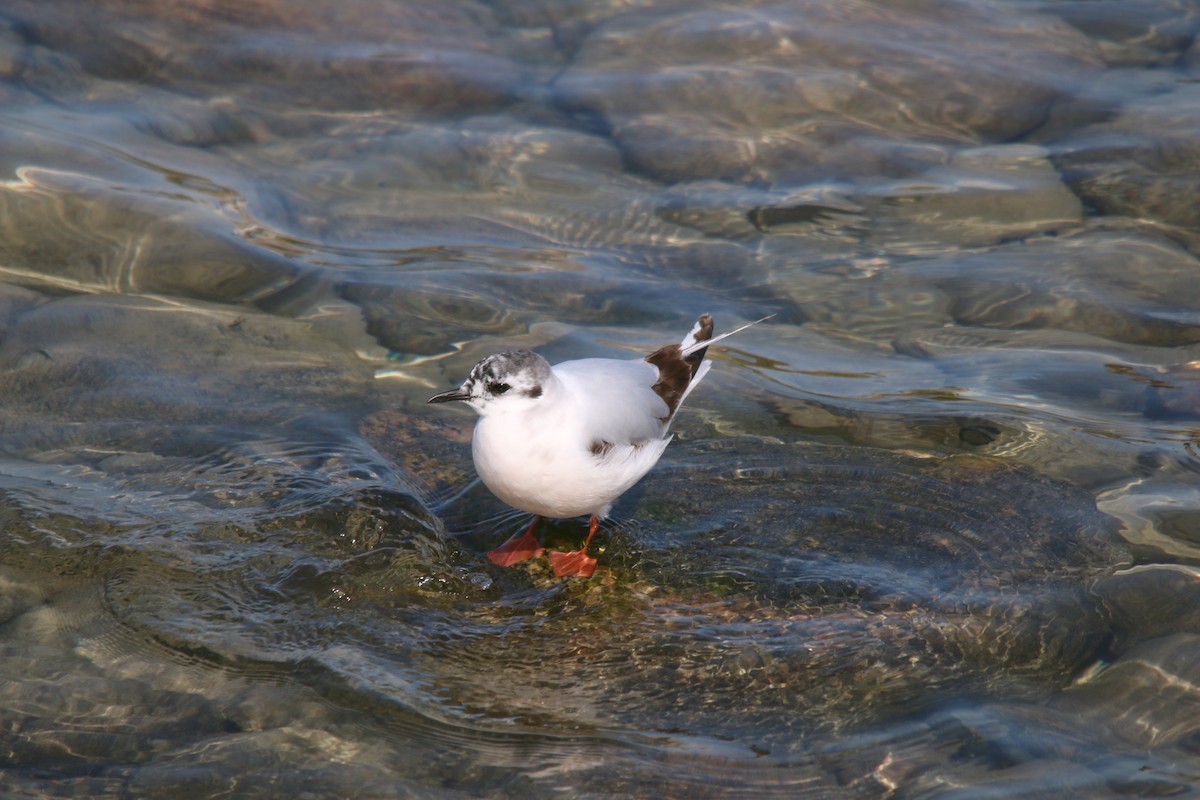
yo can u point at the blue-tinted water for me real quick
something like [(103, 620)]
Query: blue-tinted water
[(932, 531)]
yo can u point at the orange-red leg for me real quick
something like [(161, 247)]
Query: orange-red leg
[(576, 562), (521, 547)]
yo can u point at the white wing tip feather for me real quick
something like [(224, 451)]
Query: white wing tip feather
[(690, 345)]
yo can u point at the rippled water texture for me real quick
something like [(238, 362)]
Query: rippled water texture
[(932, 531)]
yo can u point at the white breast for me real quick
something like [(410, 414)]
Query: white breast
[(598, 431)]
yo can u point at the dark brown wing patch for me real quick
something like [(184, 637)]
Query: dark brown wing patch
[(600, 448), (675, 371)]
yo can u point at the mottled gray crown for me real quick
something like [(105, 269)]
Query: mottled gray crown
[(521, 370)]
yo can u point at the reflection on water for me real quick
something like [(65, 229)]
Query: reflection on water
[(930, 532)]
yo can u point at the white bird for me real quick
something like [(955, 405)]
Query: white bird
[(569, 439)]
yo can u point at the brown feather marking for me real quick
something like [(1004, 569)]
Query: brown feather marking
[(705, 321), (600, 448), (675, 371), (674, 375)]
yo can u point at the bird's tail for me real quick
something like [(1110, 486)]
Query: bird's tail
[(692, 349), (701, 336), (693, 346)]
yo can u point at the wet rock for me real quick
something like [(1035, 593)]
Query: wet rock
[(1175, 389), (738, 212), (981, 197), (1150, 34), (1111, 285), (202, 124), (1147, 697), (1150, 602), (199, 459), (1142, 163), (14, 302), (123, 357), (93, 707), (12, 46), (83, 233), (975, 198), (805, 90), (415, 57), (819, 595), (414, 206), (1160, 507), (999, 751), (947, 542), (435, 185), (223, 426), (431, 450)]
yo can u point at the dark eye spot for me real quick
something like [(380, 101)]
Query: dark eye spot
[(498, 388)]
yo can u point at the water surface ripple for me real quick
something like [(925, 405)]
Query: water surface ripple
[(933, 531)]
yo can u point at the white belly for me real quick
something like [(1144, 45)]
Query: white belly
[(552, 472)]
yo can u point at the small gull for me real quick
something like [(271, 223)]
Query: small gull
[(567, 440)]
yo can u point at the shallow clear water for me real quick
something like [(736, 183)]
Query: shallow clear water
[(932, 531)]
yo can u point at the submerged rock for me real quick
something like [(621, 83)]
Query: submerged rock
[(1150, 33), (981, 197), (1141, 164), (770, 597), (1147, 697), (82, 222), (1120, 286), (784, 92), (137, 422), (319, 55)]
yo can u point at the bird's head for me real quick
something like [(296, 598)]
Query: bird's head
[(503, 383)]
